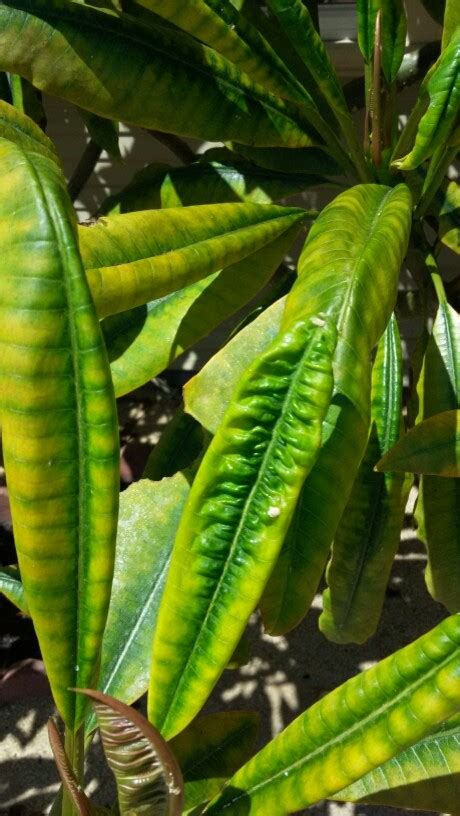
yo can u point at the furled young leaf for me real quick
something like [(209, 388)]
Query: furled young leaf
[(11, 587), (440, 90), (211, 749), (425, 776), (220, 26), (75, 792), (241, 503), (60, 430), (436, 513), (134, 258), (393, 27), (149, 780), (208, 394), (148, 520), (19, 128), (368, 534), (207, 182), (360, 725), (431, 447), (95, 59), (143, 342), (451, 21)]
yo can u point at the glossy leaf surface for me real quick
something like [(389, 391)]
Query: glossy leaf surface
[(349, 268), (146, 772), (431, 447), (135, 258), (208, 182), (351, 731), (240, 504), (451, 21), (144, 341), (440, 90), (147, 524), (211, 749), (439, 499), (106, 56), (295, 578), (208, 394), (229, 33), (60, 431), (11, 587), (296, 22), (368, 534), (425, 776)]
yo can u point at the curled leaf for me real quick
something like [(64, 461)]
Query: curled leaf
[(148, 777)]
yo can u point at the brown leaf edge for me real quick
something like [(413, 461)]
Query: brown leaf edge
[(172, 771), (77, 794)]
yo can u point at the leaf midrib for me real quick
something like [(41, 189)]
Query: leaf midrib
[(359, 725), (49, 206), (249, 500)]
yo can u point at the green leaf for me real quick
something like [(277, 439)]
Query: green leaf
[(296, 22), (11, 587), (148, 777), (107, 56), (19, 128), (210, 182), (208, 394), (147, 525), (211, 749), (425, 776), (440, 91), (143, 342), (283, 160), (446, 207), (295, 578), (393, 29), (451, 21), (351, 731), (349, 268), (60, 429), (439, 499), (431, 447), (368, 534), (180, 444), (367, 15), (241, 503), (134, 258), (223, 28), (102, 131)]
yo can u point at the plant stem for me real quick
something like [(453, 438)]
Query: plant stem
[(84, 169), (377, 96), (74, 748), (177, 146), (439, 165)]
